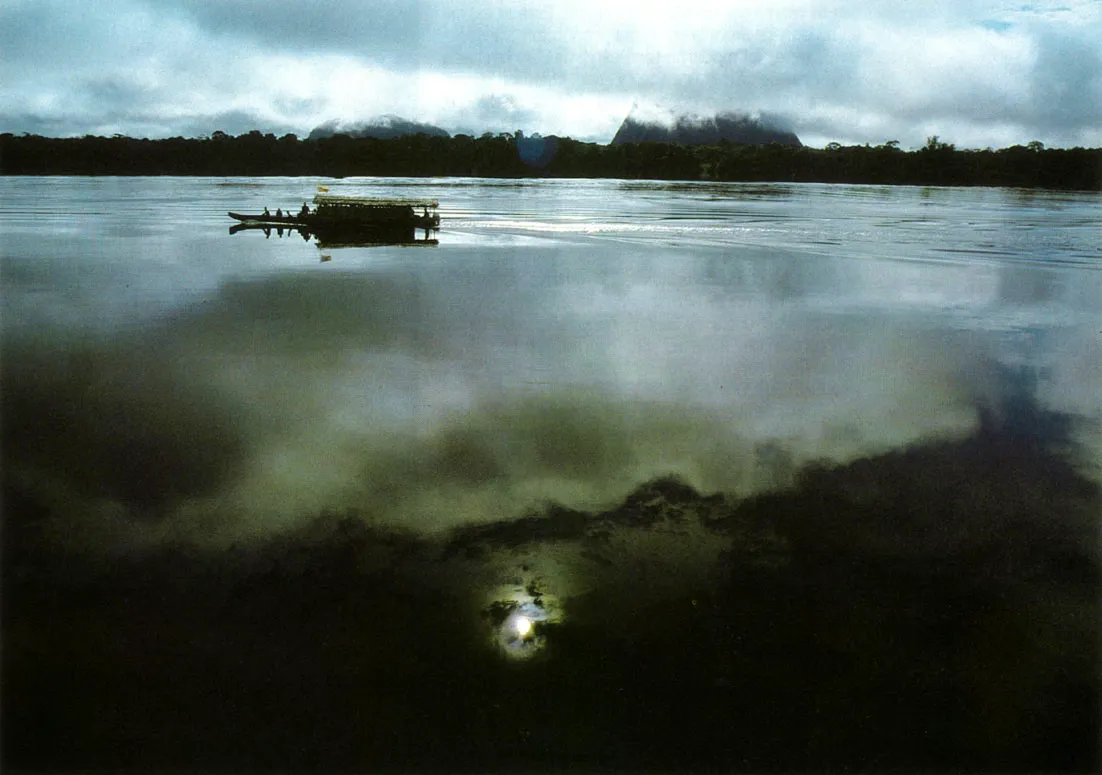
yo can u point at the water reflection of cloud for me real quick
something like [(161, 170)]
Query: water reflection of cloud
[(441, 393), (943, 578), (438, 405)]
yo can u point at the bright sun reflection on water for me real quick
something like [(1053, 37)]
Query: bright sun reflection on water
[(522, 625), (519, 626)]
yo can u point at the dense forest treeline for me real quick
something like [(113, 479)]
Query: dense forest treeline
[(515, 155)]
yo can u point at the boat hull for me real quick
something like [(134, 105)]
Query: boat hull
[(382, 217), (269, 219)]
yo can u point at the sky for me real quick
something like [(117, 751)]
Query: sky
[(977, 73)]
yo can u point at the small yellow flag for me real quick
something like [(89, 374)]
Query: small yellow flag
[(323, 188)]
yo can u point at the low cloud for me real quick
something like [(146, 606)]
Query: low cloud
[(971, 73)]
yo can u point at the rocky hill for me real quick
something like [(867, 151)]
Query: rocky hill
[(687, 129), (384, 127)]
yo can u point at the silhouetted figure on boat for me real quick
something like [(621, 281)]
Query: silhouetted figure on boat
[(305, 210), (266, 213)]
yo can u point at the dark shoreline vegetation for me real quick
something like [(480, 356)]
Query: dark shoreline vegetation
[(931, 608), (515, 155)]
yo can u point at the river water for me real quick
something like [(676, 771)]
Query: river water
[(893, 393), (565, 340)]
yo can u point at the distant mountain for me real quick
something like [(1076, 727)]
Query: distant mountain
[(663, 126), (384, 127)]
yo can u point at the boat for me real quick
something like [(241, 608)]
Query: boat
[(265, 219), (333, 212)]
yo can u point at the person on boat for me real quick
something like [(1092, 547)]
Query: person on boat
[(279, 212), (305, 210)]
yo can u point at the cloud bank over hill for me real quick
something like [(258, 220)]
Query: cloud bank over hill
[(383, 127), (657, 124)]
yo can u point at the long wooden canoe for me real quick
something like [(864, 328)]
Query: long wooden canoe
[(332, 211)]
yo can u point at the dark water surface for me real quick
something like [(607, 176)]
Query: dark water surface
[(619, 474)]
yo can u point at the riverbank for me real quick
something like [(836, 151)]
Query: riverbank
[(505, 155)]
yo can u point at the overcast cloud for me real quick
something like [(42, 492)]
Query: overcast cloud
[(977, 72)]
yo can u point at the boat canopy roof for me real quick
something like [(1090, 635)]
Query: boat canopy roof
[(333, 200)]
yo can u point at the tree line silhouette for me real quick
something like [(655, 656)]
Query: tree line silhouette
[(512, 154)]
